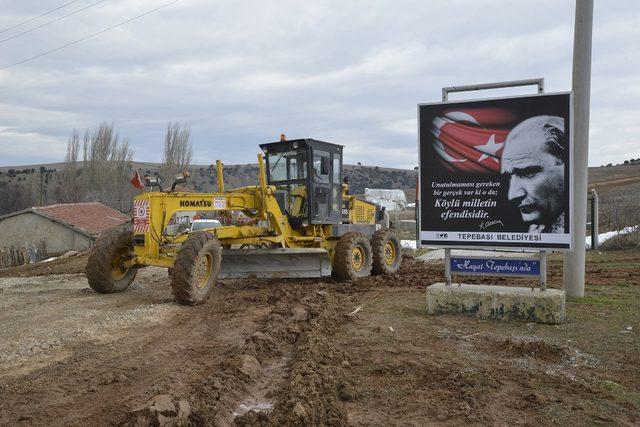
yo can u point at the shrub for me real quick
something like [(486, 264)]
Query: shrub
[(622, 241)]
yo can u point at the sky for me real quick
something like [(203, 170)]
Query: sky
[(240, 73)]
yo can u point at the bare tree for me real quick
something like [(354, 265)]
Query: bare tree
[(177, 151), (101, 146), (71, 188), (14, 198), (107, 166), (73, 148)]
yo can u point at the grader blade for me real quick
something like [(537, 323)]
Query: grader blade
[(274, 263)]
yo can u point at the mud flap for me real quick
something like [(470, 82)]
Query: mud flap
[(274, 263)]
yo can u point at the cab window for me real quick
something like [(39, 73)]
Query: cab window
[(321, 166)]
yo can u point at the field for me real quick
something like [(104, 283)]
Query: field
[(296, 353)]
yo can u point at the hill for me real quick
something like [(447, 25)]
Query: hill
[(618, 186), (203, 177), (27, 185)]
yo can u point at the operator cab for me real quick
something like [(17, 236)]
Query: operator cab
[(308, 176)]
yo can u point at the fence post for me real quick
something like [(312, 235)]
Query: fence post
[(594, 220)]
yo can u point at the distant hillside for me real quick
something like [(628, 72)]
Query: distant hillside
[(203, 178), (629, 162), (607, 173), (618, 186), (28, 185)]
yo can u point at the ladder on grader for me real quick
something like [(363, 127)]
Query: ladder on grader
[(304, 223)]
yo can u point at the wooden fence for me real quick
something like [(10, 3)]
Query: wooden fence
[(12, 256)]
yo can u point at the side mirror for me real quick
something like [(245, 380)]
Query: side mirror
[(153, 181), (180, 179)]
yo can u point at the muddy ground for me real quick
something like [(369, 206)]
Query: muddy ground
[(286, 352)]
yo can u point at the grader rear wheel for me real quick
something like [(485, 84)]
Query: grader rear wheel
[(387, 252), (352, 258), (196, 269), (105, 271)]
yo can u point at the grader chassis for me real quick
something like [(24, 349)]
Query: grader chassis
[(305, 224)]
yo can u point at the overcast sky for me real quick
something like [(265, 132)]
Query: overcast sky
[(350, 72)]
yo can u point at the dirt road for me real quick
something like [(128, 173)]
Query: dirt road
[(288, 350)]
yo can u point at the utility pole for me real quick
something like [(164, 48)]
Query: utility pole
[(574, 261)]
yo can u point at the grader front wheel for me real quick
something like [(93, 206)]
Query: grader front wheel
[(387, 252), (106, 272), (352, 257), (196, 269)]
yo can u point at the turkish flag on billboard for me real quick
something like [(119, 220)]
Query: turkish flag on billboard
[(471, 139), (137, 182)]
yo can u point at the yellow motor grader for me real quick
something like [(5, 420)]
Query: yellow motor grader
[(304, 223)]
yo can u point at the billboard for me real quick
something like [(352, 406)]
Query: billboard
[(497, 172)]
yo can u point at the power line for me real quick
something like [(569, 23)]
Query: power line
[(51, 22), (89, 36), (39, 16)]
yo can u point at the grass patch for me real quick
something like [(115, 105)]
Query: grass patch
[(621, 258), (622, 241), (608, 301), (621, 393), (605, 307)]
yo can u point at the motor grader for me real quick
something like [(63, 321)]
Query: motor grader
[(304, 223)]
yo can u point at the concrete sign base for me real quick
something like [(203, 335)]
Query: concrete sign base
[(498, 302)]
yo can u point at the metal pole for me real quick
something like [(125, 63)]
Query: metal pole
[(497, 85), (447, 266), (220, 174), (574, 261), (594, 220), (543, 270), (417, 210), (590, 222)]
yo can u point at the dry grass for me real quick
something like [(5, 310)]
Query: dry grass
[(625, 241)]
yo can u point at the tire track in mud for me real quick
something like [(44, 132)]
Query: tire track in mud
[(256, 344), (289, 371), (273, 377), (284, 352), (317, 386), (100, 382)]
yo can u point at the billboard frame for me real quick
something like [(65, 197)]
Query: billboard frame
[(484, 86), (542, 252)]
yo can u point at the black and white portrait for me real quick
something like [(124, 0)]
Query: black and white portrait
[(533, 158)]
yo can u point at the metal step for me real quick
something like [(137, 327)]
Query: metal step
[(274, 263)]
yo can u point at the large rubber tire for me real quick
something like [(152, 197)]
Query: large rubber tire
[(196, 269), (104, 270), (387, 252), (352, 258)]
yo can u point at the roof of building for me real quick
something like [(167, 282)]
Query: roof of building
[(90, 219)]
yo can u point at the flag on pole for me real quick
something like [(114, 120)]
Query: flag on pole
[(137, 182)]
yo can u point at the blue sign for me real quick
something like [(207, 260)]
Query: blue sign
[(501, 266)]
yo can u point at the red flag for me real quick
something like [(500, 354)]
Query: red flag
[(472, 140), (137, 182)]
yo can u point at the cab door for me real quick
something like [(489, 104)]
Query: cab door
[(326, 176)]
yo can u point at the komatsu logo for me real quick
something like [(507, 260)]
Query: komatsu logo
[(203, 203), (286, 153)]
